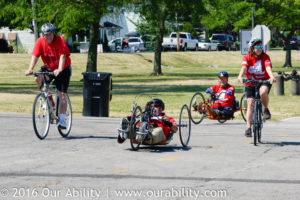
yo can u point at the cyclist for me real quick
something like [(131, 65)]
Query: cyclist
[(163, 125), (257, 66), (223, 95), (56, 58)]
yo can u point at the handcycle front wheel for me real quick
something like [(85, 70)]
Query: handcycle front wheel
[(68, 119), (196, 108), (184, 125), (135, 119), (41, 116)]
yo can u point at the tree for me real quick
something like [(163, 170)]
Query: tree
[(283, 16), (69, 17), (157, 12)]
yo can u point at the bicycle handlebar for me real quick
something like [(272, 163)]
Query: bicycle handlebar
[(256, 81), (39, 73)]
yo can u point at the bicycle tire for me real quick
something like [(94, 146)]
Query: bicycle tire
[(184, 125), (255, 122), (194, 108), (69, 118), (260, 120), (135, 118), (244, 107), (41, 116), (222, 121)]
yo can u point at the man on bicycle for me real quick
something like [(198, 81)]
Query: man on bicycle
[(163, 126), (223, 94), (257, 66), (56, 58)]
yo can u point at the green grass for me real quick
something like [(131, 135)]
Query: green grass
[(183, 75)]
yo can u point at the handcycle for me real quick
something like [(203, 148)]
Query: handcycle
[(139, 128), (201, 107), (45, 110), (257, 113)]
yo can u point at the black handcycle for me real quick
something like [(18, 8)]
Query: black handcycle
[(257, 111), (45, 110)]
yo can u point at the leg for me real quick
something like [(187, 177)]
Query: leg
[(249, 111), (62, 102), (38, 81), (264, 96)]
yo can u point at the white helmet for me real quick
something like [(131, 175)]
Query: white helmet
[(254, 41), (47, 28)]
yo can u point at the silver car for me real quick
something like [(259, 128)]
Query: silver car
[(136, 44)]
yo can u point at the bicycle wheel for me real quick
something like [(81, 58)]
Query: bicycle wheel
[(41, 116), (184, 125), (135, 119), (255, 122), (68, 119), (244, 107), (260, 123), (222, 121), (197, 110)]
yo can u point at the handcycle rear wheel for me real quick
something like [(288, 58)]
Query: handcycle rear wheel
[(244, 107), (65, 132), (41, 116), (184, 125), (195, 106), (135, 119), (222, 121)]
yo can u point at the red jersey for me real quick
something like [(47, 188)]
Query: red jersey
[(223, 98), (256, 67), (51, 53), (158, 122)]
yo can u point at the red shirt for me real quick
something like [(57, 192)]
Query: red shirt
[(256, 67), (51, 53), (158, 122), (223, 99)]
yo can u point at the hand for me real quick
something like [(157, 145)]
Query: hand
[(272, 80), (56, 72), (28, 72), (174, 129), (240, 79)]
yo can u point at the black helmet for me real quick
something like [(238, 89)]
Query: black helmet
[(254, 41), (156, 102), (223, 74), (47, 28)]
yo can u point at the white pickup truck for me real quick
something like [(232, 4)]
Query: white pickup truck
[(186, 42)]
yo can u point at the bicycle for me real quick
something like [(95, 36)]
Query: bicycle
[(293, 76), (257, 114), (45, 110)]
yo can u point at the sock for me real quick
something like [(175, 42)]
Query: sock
[(62, 118)]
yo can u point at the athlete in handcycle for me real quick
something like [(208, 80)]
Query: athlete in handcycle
[(152, 126), (221, 104)]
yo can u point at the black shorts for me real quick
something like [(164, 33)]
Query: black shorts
[(62, 80), (250, 90)]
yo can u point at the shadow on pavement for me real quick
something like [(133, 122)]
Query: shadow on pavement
[(90, 137), (281, 144), (162, 149)]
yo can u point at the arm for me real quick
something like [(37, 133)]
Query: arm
[(32, 65), (242, 72), (62, 60), (270, 73)]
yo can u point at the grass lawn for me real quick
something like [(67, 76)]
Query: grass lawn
[(184, 74)]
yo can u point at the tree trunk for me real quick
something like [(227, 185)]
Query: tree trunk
[(92, 54), (158, 44), (288, 47)]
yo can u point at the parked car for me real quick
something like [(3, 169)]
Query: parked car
[(137, 43), (225, 41), (295, 43), (185, 41), (118, 44), (207, 45)]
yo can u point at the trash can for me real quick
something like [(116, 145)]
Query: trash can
[(96, 93), (279, 86)]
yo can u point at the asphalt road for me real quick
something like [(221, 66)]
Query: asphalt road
[(220, 163)]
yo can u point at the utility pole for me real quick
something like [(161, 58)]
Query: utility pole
[(177, 34), (35, 30), (252, 17)]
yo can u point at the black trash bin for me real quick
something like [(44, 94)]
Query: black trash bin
[(96, 93)]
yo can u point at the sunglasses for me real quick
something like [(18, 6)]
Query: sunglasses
[(259, 47), (222, 78)]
